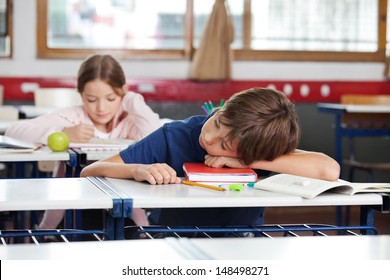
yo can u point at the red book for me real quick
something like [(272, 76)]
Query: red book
[(200, 172)]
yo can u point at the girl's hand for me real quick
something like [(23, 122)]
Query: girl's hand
[(156, 174), (80, 133), (223, 161)]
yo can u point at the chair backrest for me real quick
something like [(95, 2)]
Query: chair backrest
[(57, 97), (9, 113)]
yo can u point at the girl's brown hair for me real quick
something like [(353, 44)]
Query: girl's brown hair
[(263, 123), (102, 67)]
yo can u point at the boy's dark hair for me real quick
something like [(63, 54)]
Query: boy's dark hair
[(263, 124), (102, 67)]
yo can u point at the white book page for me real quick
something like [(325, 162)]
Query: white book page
[(103, 144), (13, 145), (370, 187), (297, 185)]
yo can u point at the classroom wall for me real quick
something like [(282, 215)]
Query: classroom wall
[(178, 102)]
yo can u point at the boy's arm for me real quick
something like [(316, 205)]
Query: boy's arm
[(303, 163), (300, 162), (158, 173)]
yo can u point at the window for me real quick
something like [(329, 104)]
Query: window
[(333, 30), (315, 25), (5, 28), (135, 28)]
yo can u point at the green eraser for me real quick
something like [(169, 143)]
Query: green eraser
[(235, 187)]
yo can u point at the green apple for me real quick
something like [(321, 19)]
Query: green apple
[(58, 141)]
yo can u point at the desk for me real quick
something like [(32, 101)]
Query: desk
[(340, 248), (133, 250), (121, 196), (60, 193), (142, 195), (290, 248), (19, 161), (341, 109), (363, 111), (42, 154)]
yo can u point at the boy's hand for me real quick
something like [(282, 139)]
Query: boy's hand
[(223, 161), (156, 174), (80, 133)]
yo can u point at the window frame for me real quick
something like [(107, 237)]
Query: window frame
[(9, 14), (242, 54)]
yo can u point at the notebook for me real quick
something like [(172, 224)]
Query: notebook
[(200, 172), (96, 144)]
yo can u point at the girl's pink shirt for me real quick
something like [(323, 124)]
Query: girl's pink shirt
[(134, 120)]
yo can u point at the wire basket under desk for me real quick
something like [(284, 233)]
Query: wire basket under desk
[(51, 235), (153, 232), (269, 231)]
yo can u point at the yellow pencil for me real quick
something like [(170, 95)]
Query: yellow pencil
[(190, 183)]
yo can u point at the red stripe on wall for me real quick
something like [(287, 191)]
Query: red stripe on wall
[(20, 88)]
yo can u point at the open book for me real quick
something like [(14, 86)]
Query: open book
[(13, 145), (96, 144), (199, 172), (309, 188)]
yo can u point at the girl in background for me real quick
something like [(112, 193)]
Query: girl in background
[(109, 111)]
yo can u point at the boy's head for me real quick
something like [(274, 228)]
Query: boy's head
[(263, 124)]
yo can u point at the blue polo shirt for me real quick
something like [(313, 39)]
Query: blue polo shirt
[(176, 143)]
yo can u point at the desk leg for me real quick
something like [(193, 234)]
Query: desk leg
[(114, 227), (68, 222), (367, 217), (68, 170), (119, 228), (339, 140), (339, 159)]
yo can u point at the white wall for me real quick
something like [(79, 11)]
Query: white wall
[(24, 62)]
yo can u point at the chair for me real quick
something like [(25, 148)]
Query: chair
[(8, 114), (367, 124), (55, 98)]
